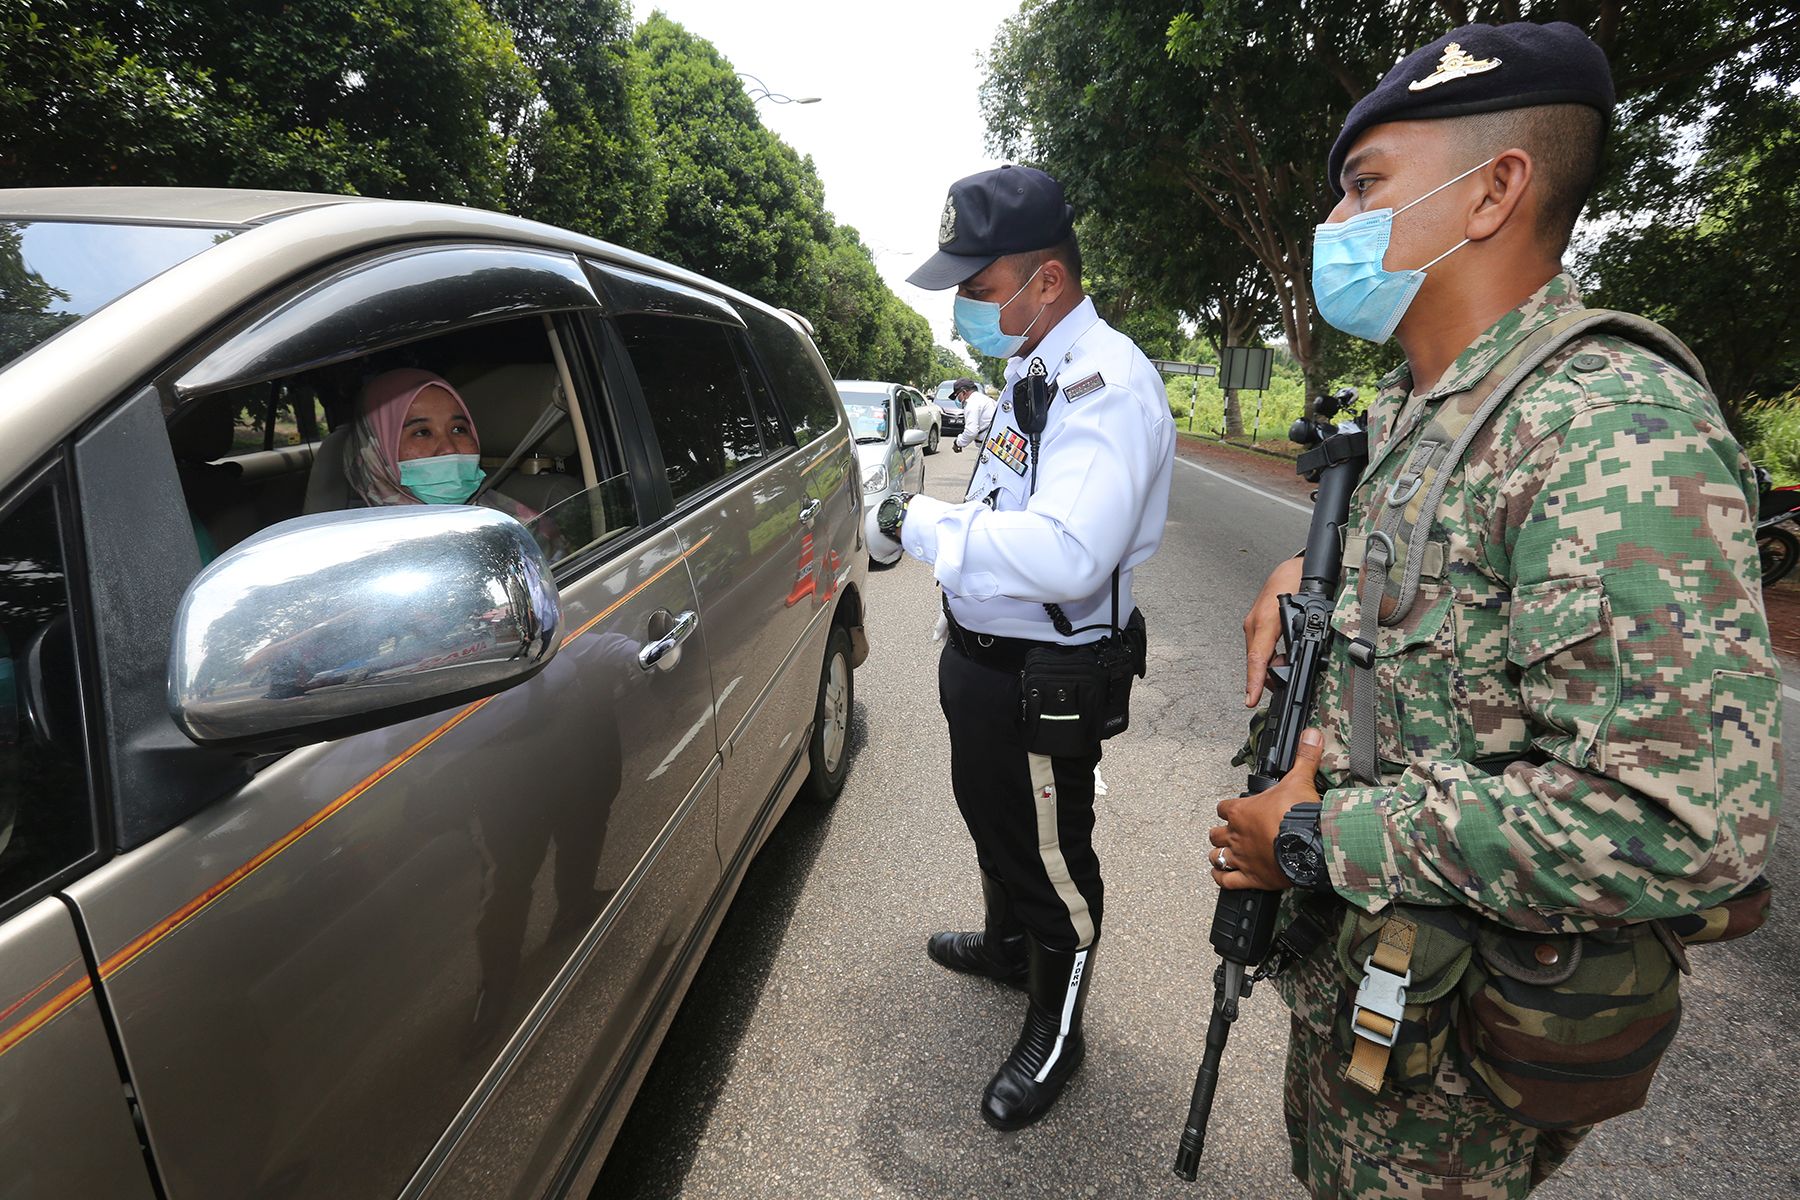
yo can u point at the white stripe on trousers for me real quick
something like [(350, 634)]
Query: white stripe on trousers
[(1043, 794)]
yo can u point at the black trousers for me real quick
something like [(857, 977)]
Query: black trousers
[(1032, 817)]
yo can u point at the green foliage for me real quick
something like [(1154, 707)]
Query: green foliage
[(1203, 167), (945, 364), (1720, 278), (1773, 429), (388, 97)]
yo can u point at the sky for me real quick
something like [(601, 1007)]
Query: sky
[(898, 118)]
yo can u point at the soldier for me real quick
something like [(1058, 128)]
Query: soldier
[(1550, 729), (1066, 500)]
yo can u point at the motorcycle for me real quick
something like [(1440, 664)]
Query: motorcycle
[(1777, 527)]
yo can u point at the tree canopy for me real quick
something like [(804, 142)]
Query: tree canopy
[(1202, 129), (558, 110)]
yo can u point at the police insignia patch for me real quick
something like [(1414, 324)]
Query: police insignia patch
[(947, 223), (1456, 64), (1084, 387), (1008, 447)]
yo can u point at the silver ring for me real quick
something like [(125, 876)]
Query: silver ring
[(1221, 860)]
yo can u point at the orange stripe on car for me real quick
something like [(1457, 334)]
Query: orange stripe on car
[(129, 953)]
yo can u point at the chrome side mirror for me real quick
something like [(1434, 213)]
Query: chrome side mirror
[(913, 437), (336, 623)]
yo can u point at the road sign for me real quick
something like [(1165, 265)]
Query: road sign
[(1169, 367), (1246, 368)]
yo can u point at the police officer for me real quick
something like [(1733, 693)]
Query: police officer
[(1066, 500), (978, 413), (1554, 714)]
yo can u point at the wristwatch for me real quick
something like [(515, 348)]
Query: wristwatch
[(892, 514), (1300, 850)]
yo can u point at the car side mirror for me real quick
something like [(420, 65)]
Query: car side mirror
[(342, 622), (913, 437)]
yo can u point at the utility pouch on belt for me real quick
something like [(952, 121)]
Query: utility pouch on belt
[(1559, 1030), (1062, 700)]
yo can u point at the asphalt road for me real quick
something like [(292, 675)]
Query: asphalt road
[(821, 1054)]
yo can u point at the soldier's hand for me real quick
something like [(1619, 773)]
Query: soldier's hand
[(1251, 822), (1262, 629)]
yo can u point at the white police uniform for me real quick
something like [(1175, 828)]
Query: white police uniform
[(1043, 525), (978, 414), (1102, 494)]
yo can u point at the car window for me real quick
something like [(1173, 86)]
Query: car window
[(53, 273), (908, 419), (794, 369), (46, 822), (695, 392), (246, 459)]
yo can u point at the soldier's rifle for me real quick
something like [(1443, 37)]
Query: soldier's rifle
[(1243, 928)]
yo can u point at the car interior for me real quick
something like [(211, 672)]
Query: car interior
[(252, 456)]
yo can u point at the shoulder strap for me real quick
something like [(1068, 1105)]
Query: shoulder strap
[(1394, 556)]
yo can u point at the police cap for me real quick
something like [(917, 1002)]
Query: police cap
[(1008, 210), (1483, 68)]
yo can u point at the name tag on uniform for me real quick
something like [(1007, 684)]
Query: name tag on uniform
[(1009, 447), (1084, 387)]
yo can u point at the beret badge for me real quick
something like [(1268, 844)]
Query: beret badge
[(1456, 64)]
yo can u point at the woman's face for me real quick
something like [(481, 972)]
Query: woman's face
[(436, 424)]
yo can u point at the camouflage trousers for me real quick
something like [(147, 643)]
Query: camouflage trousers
[(1446, 1144)]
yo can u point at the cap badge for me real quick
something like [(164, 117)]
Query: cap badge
[(947, 223), (1456, 64)]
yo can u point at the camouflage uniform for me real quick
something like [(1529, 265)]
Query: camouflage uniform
[(1599, 611)]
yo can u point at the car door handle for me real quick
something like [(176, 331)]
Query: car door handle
[(656, 651), (810, 513)]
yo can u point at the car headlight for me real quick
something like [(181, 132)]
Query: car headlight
[(875, 478)]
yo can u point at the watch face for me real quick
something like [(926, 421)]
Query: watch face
[(1299, 858)]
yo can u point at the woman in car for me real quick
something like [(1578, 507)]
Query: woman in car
[(413, 442)]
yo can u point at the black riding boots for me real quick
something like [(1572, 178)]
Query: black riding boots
[(997, 952), (1050, 1047)]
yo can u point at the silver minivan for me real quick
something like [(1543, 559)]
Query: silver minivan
[(362, 850)]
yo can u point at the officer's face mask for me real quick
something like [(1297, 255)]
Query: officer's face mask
[(443, 478), (978, 321), (1354, 291)]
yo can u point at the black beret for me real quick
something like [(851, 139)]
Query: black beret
[(1483, 68), (1008, 210)]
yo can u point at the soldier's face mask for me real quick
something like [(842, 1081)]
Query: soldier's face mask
[(1354, 291), (978, 321)]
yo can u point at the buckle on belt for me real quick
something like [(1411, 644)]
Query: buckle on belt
[(1380, 1004)]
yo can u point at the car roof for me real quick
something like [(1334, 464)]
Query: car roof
[(863, 384), (162, 206)]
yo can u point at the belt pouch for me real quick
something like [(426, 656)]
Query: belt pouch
[(1062, 700)]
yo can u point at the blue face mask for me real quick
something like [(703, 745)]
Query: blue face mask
[(443, 478), (1354, 291), (978, 321)]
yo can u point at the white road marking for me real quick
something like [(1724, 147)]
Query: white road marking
[(1790, 691), (1295, 504)]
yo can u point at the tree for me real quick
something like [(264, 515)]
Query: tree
[(582, 149), (945, 364), (1234, 121), (389, 97), (1719, 278)]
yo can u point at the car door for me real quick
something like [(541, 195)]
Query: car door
[(63, 1115), (412, 958), (739, 493), (911, 467)]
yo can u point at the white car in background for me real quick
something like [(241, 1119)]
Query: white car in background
[(890, 437)]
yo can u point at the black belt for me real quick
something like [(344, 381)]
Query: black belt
[(990, 649)]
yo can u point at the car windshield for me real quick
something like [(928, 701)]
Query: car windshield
[(868, 412), (53, 273)]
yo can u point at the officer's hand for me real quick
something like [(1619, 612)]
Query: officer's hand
[(1251, 823), (1262, 629), (956, 446)]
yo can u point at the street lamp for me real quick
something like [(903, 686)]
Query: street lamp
[(761, 92)]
